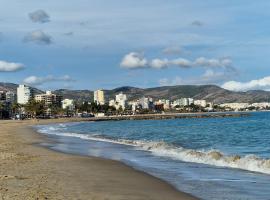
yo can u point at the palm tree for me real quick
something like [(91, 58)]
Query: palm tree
[(1, 110)]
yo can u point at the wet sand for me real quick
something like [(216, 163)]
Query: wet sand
[(28, 171)]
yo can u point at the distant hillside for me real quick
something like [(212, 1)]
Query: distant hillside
[(78, 95), (211, 93), (13, 87)]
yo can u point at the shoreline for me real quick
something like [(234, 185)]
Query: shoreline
[(31, 171)]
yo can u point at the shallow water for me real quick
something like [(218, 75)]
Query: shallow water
[(211, 158)]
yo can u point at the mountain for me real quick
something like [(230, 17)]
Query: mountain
[(211, 93), (13, 87), (78, 95)]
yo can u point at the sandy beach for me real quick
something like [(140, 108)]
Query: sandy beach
[(28, 171)]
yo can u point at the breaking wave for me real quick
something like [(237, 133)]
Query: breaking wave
[(212, 157)]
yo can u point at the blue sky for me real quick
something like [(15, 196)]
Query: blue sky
[(90, 44)]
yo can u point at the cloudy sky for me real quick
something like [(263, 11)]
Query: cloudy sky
[(90, 44)]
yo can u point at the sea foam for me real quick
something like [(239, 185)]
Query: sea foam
[(160, 148)]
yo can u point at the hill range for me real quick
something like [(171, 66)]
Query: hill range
[(211, 93)]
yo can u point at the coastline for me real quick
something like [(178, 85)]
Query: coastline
[(33, 172)]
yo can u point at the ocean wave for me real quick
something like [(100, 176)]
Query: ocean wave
[(212, 157)]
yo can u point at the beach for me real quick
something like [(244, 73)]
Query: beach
[(28, 171)]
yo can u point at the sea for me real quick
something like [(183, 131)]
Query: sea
[(210, 158)]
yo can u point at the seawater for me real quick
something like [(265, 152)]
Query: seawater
[(211, 158)]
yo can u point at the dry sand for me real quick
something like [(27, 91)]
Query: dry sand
[(28, 171)]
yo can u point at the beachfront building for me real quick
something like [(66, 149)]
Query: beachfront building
[(183, 102), (24, 94), (121, 101), (164, 102), (134, 105), (235, 106), (262, 105), (2, 95), (68, 104), (112, 103), (99, 97), (144, 102), (7, 98), (49, 99), (201, 103), (190, 101), (10, 97)]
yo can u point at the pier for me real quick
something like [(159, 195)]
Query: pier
[(168, 116)]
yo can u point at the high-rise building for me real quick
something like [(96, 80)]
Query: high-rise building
[(24, 94), (99, 97)]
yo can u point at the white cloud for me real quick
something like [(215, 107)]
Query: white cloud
[(133, 60), (159, 63), (259, 84), (39, 16), (182, 62), (210, 76), (35, 80), (10, 67), (223, 62), (38, 37)]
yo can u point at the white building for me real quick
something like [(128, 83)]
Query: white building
[(144, 102), (99, 97), (235, 106), (182, 102), (134, 105), (261, 105), (112, 103), (68, 104), (121, 100), (190, 101), (201, 103), (23, 94)]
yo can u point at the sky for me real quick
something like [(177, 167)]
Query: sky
[(104, 44)]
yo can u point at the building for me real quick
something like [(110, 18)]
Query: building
[(164, 102), (183, 102), (2, 96), (121, 101), (68, 104), (262, 105), (201, 103), (144, 102), (10, 97), (49, 99), (24, 94), (235, 106), (99, 97), (190, 101)]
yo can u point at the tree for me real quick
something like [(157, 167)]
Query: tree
[(35, 108), (1, 109)]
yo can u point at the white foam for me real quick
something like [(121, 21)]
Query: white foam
[(212, 157)]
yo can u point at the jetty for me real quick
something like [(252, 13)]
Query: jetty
[(167, 116)]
